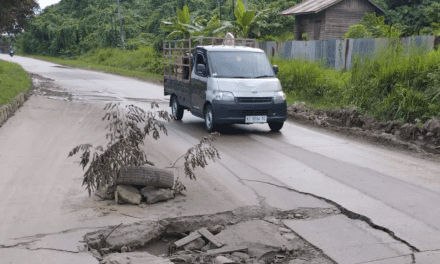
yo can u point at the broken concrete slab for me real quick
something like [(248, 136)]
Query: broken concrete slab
[(134, 258), (348, 241), (129, 194), (215, 241), (136, 234), (408, 259), (196, 244), (223, 260), (155, 194)]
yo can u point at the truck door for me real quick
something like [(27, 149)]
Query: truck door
[(199, 83)]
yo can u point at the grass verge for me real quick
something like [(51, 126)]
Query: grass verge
[(13, 80), (143, 63)]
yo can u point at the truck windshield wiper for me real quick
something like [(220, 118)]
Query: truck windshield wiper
[(264, 76)]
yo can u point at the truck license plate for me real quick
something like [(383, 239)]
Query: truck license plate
[(256, 119)]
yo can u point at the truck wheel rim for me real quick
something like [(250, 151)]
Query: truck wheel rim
[(208, 119), (174, 107)]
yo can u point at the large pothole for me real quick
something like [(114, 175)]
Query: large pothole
[(249, 235)]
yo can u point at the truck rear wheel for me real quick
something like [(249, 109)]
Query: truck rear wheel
[(176, 109), (209, 119), (275, 126)]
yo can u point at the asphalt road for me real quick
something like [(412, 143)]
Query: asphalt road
[(398, 195)]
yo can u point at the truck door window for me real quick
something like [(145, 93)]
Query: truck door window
[(200, 59)]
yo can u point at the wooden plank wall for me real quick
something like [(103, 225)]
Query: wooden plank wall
[(344, 14), (334, 21), (308, 25)]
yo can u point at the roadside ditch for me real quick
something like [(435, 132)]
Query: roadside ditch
[(416, 138)]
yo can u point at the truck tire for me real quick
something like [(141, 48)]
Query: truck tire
[(176, 108), (209, 119), (146, 176), (275, 126)]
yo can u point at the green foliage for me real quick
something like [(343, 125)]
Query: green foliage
[(372, 26), (394, 84), (311, 81), (304, 36), (13, 80)]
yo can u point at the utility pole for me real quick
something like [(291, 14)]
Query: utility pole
[(120, 24)]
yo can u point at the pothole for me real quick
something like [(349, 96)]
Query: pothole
[(245, 235)]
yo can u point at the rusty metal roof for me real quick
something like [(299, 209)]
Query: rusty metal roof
[(314, 6)]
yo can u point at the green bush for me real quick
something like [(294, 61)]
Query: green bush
[(311, 81), (142, 59), (394, 84), (13, 80)]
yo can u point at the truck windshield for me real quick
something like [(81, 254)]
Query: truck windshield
[(236, 64)]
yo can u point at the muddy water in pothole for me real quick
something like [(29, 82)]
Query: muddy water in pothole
[(160, 247)]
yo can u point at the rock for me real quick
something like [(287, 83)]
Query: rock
[(196, 244), (241, 255), (408, 131), (206, 247), (290, 216), (284, 230), (433, 126), (124, 249), (187, 258), (96, 254), (298, 215), (105, 251), (368, 122), (129, 194), (221, 260), (155, 194), (429, 134), (142, 205), (106, 192), (216, 229)]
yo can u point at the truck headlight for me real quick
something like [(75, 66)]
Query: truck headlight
[(279, 97), (223, 96)]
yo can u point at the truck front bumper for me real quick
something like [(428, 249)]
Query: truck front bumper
[(234, 112)]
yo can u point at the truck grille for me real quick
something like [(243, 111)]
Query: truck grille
[(243, 113), (254, 99)]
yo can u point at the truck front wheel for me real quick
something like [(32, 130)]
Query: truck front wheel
[(276, 126), (209, 119), (176, 109)]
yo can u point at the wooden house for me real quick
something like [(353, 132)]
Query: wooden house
[(326, 19)]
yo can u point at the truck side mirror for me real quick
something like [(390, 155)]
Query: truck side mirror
[(201, 69), (275, 69)]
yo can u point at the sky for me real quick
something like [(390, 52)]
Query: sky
[(44, 3)]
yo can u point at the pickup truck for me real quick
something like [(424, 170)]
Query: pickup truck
[(223, 84)]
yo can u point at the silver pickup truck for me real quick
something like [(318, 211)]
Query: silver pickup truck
[(223, 84)]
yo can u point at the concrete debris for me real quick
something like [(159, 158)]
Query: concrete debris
[(225, 250), (205, 233), (197, 244), (298, 215), (290, 216), (155, 194), (223, 260), (106, 192), (216, 229), (124, 249), (241, 255), (272, 219), (96, 254), (187, 258), (129, 194)]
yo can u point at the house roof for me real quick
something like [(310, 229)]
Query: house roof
[(315, 6)]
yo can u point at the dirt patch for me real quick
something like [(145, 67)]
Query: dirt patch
[(417, 138), (46, 87), (260, 230)]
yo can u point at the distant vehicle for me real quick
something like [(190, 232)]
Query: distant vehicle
[(11, 53), (230, 82)]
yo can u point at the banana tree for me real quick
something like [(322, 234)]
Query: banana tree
[(246, 21), (183, 25)]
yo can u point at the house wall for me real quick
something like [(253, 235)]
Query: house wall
[(308, 25), (344, 14)]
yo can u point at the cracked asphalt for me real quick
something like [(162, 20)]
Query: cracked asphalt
[(387, 201)]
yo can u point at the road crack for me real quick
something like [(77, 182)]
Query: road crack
[(348, 213)]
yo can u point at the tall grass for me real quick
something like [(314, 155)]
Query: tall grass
[(312, 82), (396, 83), (13, 80)]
